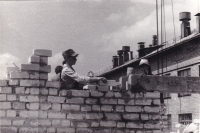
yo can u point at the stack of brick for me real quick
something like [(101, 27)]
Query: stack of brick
[(30, 103)]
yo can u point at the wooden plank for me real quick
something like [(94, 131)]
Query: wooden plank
[(171, 84)]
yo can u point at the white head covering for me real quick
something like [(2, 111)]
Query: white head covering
[(144, 61)]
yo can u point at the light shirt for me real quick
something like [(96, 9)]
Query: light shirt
[(70, 77)]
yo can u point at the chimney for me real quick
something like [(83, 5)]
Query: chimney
[(120, 58), (154, 41), (185, 17), (198, 22), (141, 45), (131, 54), (125, 49), (115, 61)]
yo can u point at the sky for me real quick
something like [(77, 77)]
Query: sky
[(95, 29)]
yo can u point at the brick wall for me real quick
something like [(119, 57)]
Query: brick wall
[(31, 103)]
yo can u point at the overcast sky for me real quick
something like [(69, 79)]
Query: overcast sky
[(95, 29)]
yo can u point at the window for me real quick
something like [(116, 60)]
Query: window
[(184, 73), (185, 119)]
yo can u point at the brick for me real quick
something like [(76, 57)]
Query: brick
[(28, 114), (43, 122), (154, 116), (42, 114), (108, 101), (13, 82), (82, 124), (29, 98), (144, 116), (28, 130), (42, 52), (11, 113), (34, 91), (65, 122), (44, 60), (80, 93), (56, 122), (18, 105), (156, 102), (96, 94), (68, 107), (86, 108), (131, 116), (34, 75), (32, 83), (11, 98), (5, 105), (111, 116), (43, 91), (64, 92), (43, 99), (102, 131), (96, 108), (34, 59), (45, 68), (84, 130), (56, 106), (95, 124), (45, 106), (108, 124), (8, 129), (109, 83), (12, 69), (2, 113), (6, 90), (152, 125), (89, 87), (103, 88), (65, 130), (43, 76), (53, 91), (51, 130), (52, 84), (18, 122), (91, 101), (56, 99), (94, 116), (117, 94), (56, 115), (30, 67), (120, 124), (133, 108), (134, 125), (19, 75), (152, 95), (75, 100), (106, 108), (119, 108), (32, 106), (143, 102), (20, 90), (152, 109), (121, 131), (109, 94), (3, 82), (2, 97), (75, 116)]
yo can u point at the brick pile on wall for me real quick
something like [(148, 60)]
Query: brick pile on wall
[(31, 103)]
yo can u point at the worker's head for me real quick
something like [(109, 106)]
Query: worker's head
[(144, 65), (58, 69), (70, 56)]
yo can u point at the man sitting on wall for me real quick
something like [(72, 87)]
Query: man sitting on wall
[(69, 78)]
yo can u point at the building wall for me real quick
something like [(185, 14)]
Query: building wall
[(29, 103)]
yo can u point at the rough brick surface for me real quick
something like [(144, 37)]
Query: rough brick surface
[(42, 52), (30, 67), (5, 105), (80, 93), (3, 82), (34, 75), (32, 83), (13, 82), (34, 59), (51, 84), (2, 97), (6, 90), (44, 60), (43, 76), (45, 68), (19, 75)]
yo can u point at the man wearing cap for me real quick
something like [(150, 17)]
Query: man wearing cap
[(70, 79), (144, 65)]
